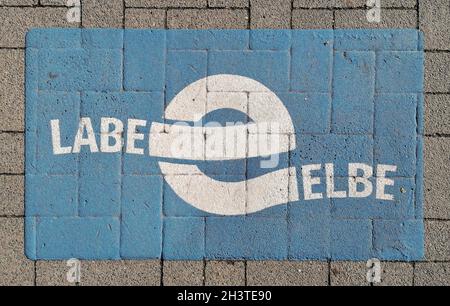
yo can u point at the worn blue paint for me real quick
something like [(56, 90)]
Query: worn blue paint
[(353, 96), (142, 220), (184, 238)]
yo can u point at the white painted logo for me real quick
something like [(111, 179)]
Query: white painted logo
[(225, 198)]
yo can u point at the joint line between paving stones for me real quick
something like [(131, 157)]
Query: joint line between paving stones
[(204, 271), (437, 51), (123, 15), (166, 22), (122, 152), (372, 232), (418, 14), (331, 82), (247, 149), (12, 216), (172, 8), (78, 162), (11, 132), (161, 272), (35, 273), (329, 272), (13, 48), (249, 15), (292, 16), (437, 135), (245, 273), (288, 205), (81, 15)]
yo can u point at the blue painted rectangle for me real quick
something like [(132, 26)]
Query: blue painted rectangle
[(350, 106)]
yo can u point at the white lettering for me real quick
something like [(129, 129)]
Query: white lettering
[(85, 125), (382, 182), (133, 135), (115, 134), (331, 193), (354, 180), (56, 139), (309, 181)]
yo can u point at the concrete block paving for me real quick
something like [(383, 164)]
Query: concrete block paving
[(355, 96)]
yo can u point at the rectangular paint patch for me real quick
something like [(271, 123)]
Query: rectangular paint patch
[(224, 144)]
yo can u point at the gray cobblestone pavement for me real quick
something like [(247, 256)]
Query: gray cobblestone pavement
[(431, 16)]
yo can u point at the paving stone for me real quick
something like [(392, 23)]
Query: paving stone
[(362, 3), (12, 194), (273, 14), (53, 273), (437, 240), (229, 3), (207, 19), (437, 76), (355, 70), (107, 74), (394, 240), (313, 4), (45, 202), (184, 238), (225, 273), (279, 273), (437, 112), (437, 180), (12, 153), (389, 19), (396, 274), (96, 238), (436, 198), (370, 40), (432, 274), (275, 71), (356, 244), (437, 193), (11, 96), (145, 18), (434, 16), (246, 237), (15, 268), (18, 2), (53, 2), (349, 274), (15, 21), (120, 273), (213, 39), (102, 14), (398, 209), (137, 209), (270, 40), (315, 153), (312, 19), (436, 156), (307, 74), (183, 273), (167, 3)]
